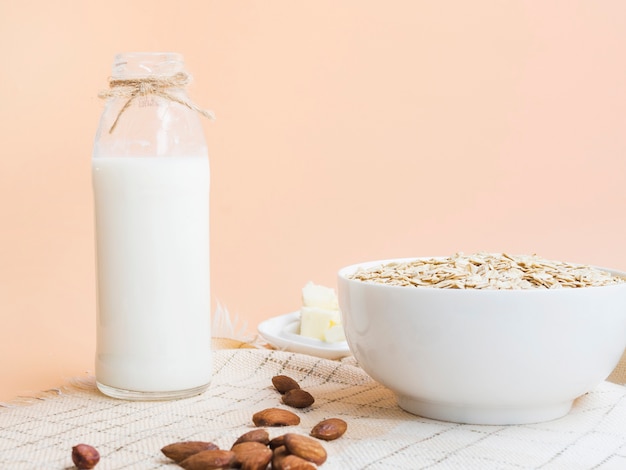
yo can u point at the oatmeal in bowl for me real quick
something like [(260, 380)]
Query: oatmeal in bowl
[(486, 338)]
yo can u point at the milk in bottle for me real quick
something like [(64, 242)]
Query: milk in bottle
[(150, 172)]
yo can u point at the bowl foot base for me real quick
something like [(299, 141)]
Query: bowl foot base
[(484, 415), (134, 395)]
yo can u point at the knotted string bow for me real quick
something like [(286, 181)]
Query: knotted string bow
[(133, 88)]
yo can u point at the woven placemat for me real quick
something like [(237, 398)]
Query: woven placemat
[(380, 435), (618, 375)]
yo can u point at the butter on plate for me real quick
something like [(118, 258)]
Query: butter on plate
[(319, 316)]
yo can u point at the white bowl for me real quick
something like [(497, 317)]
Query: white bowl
[(484, 356)]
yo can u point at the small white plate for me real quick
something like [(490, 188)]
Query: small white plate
[(282, 333)]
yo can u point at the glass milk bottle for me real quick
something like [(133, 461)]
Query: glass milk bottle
[(150, 172)]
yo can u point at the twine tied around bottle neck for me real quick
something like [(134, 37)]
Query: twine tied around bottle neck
[(132, 88)]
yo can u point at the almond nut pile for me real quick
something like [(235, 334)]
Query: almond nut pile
[(255, 450), (487, 271)]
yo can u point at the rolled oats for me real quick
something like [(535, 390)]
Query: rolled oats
[(487, 271)]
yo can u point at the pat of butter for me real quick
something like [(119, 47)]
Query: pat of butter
[(335, 334), (316, 322), (319, 315), (319, 296)]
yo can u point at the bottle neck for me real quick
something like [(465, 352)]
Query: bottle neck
[(145, 64), (148, 112)]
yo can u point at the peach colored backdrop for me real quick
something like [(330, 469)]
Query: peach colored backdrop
[(347, 131)]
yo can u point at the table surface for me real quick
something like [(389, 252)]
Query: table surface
[(41, 433)]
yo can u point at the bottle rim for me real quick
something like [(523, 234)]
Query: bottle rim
[(142, 64)]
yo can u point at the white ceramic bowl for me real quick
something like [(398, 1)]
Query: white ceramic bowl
[(484, 356)]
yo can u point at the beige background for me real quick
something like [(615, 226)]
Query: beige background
[(347, 131)]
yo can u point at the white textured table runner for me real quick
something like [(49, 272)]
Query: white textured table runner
[(380, 435)]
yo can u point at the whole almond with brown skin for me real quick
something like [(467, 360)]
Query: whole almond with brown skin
[(293, 462), (329, 429), (275, 417), (256, 435), (179, 451), (305, 447), (277, 442), (283, 460), (85, 456), (278, 455), (209, 460), (298, 398), (252, 455), (284, 383)]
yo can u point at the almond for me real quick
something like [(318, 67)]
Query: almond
[(284, 383), (298, 398), (256, 435), (329, 429), (179, 451), (305, 447), (85, 456), (283, 460), (275, 417), (277, 442), (209, 460), (252, 455)]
